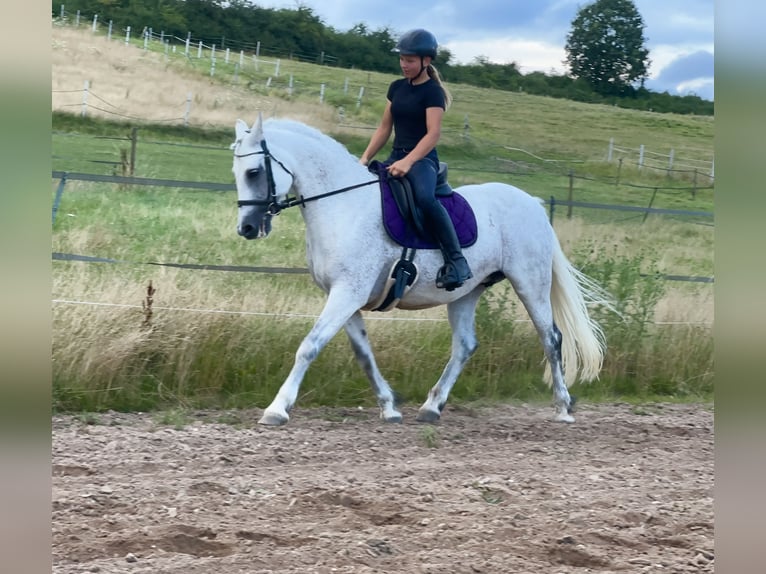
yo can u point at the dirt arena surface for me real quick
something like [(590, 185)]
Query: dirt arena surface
[(487, 490)]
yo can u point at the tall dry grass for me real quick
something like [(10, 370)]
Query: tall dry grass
[(228, 339), (135, 84)]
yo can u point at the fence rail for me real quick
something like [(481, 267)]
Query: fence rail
[(64, 176), (667, 162)]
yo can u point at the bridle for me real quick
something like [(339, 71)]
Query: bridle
[(274, 206)]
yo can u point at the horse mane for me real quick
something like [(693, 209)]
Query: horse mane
[(293, 127)]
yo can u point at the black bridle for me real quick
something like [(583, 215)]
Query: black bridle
[(274, 206), (271, 202)]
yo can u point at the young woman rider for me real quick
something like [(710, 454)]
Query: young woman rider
[(414, 109)]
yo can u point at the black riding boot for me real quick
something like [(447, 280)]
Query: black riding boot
[(455, 270)]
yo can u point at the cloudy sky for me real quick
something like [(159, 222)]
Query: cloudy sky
[(532, 33)]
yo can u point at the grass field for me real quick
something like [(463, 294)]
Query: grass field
[(201, 350)]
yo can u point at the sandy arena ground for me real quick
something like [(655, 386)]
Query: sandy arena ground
[(493, 490)]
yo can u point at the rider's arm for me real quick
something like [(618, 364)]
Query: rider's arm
[(380, 137)]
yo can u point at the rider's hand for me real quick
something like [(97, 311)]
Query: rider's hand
[(399, 168)]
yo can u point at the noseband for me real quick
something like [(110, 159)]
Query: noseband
[(274, 206)]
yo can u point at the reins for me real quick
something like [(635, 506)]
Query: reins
[(274, 206), (303, 200)]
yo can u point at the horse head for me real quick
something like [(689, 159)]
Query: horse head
[(261, 189)]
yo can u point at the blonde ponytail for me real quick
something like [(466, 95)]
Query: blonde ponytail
[(433, 73)]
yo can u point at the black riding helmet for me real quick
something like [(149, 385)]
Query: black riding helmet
[(417, 43)]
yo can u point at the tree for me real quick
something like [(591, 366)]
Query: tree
[(605, 47)]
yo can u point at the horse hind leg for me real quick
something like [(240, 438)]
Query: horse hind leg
[(360, 344), (563, 401), (538, 305)]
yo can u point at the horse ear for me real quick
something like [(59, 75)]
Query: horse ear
[(257, 128), (240, 129)]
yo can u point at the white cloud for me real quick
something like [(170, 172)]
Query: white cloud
[(530, 55)]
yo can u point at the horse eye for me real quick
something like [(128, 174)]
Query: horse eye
[(252, 173)]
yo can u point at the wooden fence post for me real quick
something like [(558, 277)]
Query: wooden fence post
[(188, 109), (133, 140), (359, 97), (59, 192), (619, 169), (85, 99), (552, 209), (651, 201)]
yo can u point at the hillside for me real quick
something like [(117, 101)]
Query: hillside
[(128, 82)]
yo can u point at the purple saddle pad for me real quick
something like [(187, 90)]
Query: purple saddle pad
[(405, 234)]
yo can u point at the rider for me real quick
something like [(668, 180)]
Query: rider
[(414, 109)]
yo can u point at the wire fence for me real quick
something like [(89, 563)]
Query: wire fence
[(311, 316), (669, 163)]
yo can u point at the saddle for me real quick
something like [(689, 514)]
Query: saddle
[(403, 221)]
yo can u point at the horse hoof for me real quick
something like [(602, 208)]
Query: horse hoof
[(564, 418), (427, 416), (273, 419), (394, 419)]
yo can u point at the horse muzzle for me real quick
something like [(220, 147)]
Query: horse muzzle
[(255, 229)]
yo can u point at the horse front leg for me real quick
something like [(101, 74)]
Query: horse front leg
[(357, 336), (337, 311), (461, 315)]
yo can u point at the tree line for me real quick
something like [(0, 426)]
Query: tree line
[(301, 34)]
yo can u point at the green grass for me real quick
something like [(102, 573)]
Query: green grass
[(430, 436)]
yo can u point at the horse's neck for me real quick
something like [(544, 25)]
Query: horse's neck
[(320, 169)]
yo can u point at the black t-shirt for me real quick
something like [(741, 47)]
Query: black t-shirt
[(408, 108)]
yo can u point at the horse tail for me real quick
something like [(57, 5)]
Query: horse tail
[(583, 343)]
